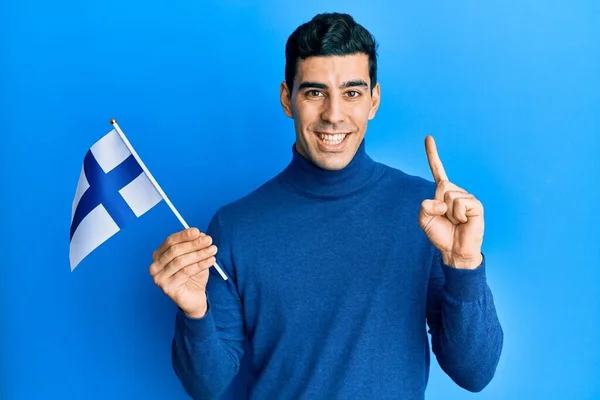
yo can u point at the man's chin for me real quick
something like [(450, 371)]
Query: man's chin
[(332, 162), (328, 160)]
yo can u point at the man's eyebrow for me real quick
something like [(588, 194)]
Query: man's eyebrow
[(355, 83), (345, 85), (312, 85)]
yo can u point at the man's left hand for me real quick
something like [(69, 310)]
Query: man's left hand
[(453, 219)]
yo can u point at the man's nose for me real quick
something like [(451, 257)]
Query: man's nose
[(333, 110)]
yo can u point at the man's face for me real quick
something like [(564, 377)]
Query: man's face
[(331, 104)]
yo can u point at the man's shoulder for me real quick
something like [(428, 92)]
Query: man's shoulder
[(255, 202), (406, 183)]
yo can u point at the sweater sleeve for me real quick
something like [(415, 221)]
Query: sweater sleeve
[(206, 352), (466, 335)]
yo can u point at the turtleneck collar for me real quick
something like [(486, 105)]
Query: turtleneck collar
[(315, 181)]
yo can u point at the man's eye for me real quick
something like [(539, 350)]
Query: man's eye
[(314, 93), (353, 93)]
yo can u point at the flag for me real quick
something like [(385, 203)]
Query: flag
[(113, 189)]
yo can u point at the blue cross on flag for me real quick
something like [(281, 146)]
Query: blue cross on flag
[(113, 190)]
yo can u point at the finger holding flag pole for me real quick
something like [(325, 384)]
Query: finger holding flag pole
[(113, 122)]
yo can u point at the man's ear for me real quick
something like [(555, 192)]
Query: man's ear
[(375, 99), (285, 97)]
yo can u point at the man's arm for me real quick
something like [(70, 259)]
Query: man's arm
[(466, 335), (206, 351)]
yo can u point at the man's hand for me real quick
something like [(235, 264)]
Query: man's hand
[(453, 219), (180, 267)]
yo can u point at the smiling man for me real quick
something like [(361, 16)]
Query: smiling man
[(339, 266)]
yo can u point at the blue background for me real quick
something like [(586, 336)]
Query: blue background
[(510, 90)]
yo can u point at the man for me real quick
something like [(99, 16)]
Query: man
[(336, 265)]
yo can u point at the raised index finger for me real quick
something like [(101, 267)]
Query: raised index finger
[(185, 235), (435, 164)]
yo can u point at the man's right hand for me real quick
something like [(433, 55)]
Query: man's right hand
[(180, 267)]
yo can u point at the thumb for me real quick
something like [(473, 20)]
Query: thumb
[(432, 208)]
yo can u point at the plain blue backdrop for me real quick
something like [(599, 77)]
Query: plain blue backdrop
[(509, 89)]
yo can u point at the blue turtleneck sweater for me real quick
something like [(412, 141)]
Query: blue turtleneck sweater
[(333, 288)]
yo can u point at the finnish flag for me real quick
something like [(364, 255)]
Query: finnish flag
[(113, 190)]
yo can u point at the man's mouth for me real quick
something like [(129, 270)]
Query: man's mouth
[(332, 139)]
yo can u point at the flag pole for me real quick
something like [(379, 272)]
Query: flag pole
[(155, 183)]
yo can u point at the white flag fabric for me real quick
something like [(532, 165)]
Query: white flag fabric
[(112, 191)]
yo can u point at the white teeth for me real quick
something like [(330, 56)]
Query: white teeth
[(332, 139)]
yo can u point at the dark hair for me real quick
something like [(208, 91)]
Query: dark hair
[(329, 34)]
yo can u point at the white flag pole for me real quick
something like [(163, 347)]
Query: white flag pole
[(156, 185)]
